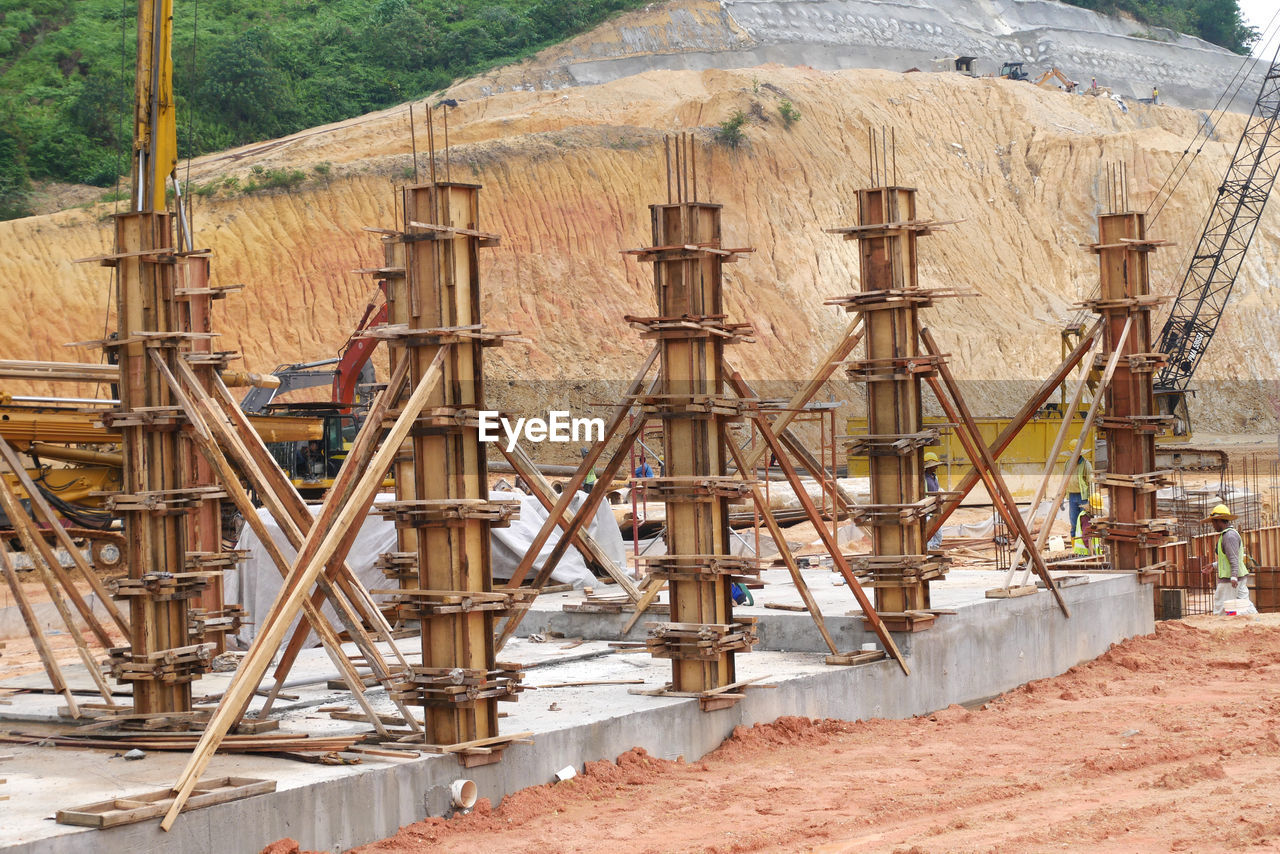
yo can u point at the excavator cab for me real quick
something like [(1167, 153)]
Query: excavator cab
[(1013, 71)]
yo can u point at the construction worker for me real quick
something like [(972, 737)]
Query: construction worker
[(591, 475), (1233, 570), (644, 469), (1081, 483), (1082, 541), (931, 463)]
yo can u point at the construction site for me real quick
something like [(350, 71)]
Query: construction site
[(703, 435)]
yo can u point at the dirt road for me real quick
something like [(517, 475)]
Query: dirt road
[(1166, 743)]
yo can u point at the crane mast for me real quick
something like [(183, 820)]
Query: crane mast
[(155, 126), (1241, 198)]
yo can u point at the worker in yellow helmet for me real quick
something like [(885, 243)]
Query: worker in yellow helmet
[(1080, 484), (931, 463), (1233, 570), (1082, 541)]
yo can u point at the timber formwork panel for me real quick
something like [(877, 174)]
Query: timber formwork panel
[(893, 368), (703, 635), (1132, 528), (442, 505), (158, 498)]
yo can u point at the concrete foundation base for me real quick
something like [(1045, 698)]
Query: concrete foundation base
[(986, 648)]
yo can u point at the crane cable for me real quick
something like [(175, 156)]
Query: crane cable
[(1220, 108)]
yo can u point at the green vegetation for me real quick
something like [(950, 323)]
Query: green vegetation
[(1217, 21), (249, 71), (729, 132), (790, 115)]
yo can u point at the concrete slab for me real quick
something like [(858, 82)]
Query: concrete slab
[(988, 647)]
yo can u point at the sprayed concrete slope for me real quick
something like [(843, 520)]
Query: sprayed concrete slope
[(568, 176), (1120, 53)]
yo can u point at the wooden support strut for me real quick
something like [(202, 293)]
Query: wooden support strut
[(203, 439), (616, 418), (51, 668), (980, 456), (582, 539), (45, 513), (586, 511), (347, 503), (1009, 433), (351, 601), (832, 546), (1094, 408)]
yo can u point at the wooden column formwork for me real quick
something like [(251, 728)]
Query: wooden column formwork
[(442, 504), (211, 620), (158, 498), (703, 635), (893, 368), (1130, 421)]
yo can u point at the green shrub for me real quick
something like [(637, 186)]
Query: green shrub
[(729, 132), (790, 115)]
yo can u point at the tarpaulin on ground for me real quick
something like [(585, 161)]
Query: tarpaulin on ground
[(257, 583)]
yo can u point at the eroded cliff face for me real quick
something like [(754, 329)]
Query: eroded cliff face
[(567, 180)]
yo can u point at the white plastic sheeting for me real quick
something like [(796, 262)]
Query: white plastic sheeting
[(258, 582)]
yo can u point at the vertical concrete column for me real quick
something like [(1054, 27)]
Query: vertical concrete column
[(1131, 420), (445, 499), (160, 660), (703, 635), (892, 369)]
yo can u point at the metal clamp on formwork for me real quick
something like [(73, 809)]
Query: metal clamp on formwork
[(181, 664), (440, 420), (162, 586), (411, 604), (895, 514), (440, 336), (677, 489), (163, 502), (155, 417), (1138, 423), (903, 368), (889, 444), (1145, 482), (892, 569), (687, 252), (457, 686), (702, 567), (873, 231), (432, 231), (225, 561), (701, 641), (690, 326), (1147, 532), (449, 511), (201, 623), (219, 359), (893, 298), (692, 405), (1142, 303), (1134, 243), (1138, 363), (398, 566)]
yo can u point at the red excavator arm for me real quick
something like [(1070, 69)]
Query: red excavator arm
[(357, 351)]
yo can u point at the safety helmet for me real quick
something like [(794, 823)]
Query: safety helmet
[(1222, 511), (1095, 502), (1073, 444), (931, 460)]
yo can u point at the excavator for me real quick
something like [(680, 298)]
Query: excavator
[(313, 462), (1055, 79)]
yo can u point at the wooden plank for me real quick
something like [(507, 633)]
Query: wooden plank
[(51, 668), (148, 805)]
